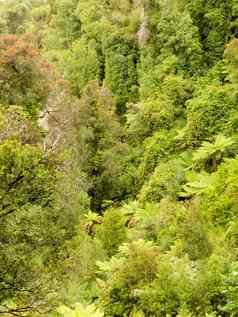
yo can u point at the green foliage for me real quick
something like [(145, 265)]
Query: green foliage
[(197, 185), (98, 147), (15, 14), (135, 266), (209, 112), (112, 232), (146, 118), (184, 312), (155, 149), (166, 181), (65, 23), (32, 232), (26, 176), (120, 73), (193, 235), (176, 35), (216, 23), (230, 291), (81, 64), (118, 166), (210, 155), (80, 269), (223, 193), (79, 311), (231, 54)]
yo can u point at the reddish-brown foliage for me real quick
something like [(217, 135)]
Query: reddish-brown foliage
[(24, 74)]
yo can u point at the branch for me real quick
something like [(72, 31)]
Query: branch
[(16, 311), (7, 212), (15, 183)]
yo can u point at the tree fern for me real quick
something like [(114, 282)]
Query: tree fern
[(199, 184), (210, 154)]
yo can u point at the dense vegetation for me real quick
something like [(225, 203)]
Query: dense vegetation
[(119, 158)]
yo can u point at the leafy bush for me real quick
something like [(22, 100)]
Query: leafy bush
[(166, 181)]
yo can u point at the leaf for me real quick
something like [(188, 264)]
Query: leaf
[(79, 311), (110, 266), (199, 186), (208, 149)]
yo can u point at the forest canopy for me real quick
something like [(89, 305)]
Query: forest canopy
[(119, 158)]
